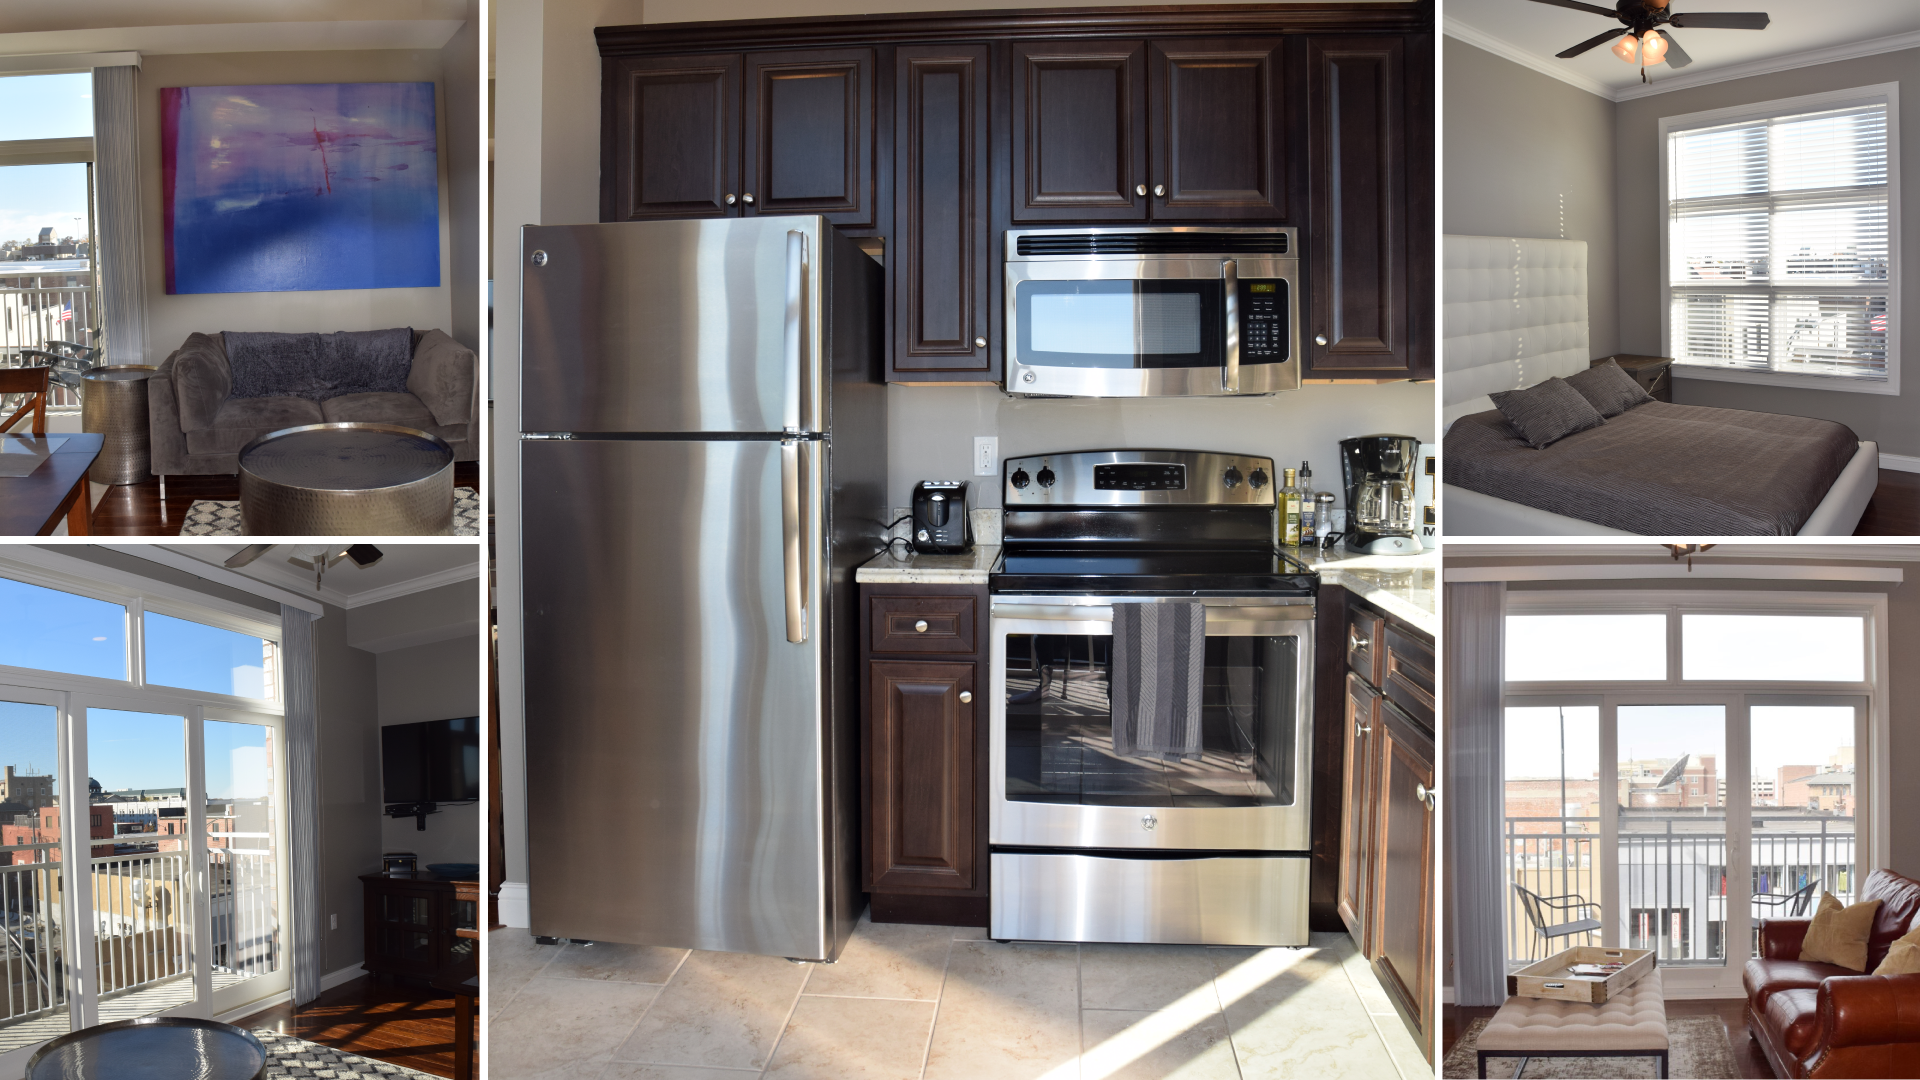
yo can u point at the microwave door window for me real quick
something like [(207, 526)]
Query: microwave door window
[(1120, 324)]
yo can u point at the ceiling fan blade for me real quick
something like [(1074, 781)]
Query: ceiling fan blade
[(364, 555), (245, 555), (1722, 20), (1597, 39), (1677, 57), (1578, 6)]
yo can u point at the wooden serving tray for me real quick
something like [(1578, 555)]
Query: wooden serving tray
[(1551, 978)]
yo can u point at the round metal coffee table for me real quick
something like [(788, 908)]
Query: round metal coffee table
[(347, 480), (152, 1048), (113, 402)]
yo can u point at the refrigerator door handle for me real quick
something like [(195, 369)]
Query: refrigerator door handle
[(796, 284), (793, 501)]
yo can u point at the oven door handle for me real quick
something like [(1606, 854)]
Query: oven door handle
[(1095, 619), (1230, 363)]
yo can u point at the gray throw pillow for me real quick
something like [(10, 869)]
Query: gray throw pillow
[(366, 361), (1546, 413), (1608, 389), (274, 365)]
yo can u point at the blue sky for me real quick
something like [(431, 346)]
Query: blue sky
[(33, 197)]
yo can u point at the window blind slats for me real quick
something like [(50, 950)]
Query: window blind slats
[(1759, 212)]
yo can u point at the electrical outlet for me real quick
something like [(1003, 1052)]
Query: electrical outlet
[(333, 922), (986, 455)]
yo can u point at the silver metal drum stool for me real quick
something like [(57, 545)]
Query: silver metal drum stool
[(347, 480), (152, 1048), (113, 402)]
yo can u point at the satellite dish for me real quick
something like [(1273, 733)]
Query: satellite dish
[(1672, 775)]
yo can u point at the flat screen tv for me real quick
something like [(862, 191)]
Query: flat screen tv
[(433, 762)]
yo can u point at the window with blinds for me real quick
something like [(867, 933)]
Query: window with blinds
[(1777, 244)]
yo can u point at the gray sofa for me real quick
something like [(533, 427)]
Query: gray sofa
[(199, 427)]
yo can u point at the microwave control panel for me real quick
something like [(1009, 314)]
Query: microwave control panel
[(1263, 321)]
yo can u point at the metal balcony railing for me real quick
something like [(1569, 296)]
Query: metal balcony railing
[(31, 318)]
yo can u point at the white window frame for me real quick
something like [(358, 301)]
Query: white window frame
[(1872, 810), (1887, 93)]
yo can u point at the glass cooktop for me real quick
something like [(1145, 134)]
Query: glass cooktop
[(1085, 572)]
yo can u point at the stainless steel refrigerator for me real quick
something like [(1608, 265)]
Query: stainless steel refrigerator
[(703, 463)]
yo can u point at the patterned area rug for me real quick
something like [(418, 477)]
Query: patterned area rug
[(1700, 1051), (221, 517), (289, 1058)]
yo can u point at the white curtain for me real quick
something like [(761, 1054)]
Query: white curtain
[(118, 251), (303, 796), (1475, 880)]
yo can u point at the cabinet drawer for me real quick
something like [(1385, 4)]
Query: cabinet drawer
[(1408, 676), (922, 624), (1363, 644)]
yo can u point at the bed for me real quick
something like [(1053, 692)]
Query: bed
[(1515, 315)]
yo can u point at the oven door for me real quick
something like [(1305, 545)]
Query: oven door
[(1057, 779), (1158, 327)]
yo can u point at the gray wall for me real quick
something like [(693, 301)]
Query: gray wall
[(432, 682), (1530, 156), (347, 731), (1892, 421)]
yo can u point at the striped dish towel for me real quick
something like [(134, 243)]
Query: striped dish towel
[(1159, 667)]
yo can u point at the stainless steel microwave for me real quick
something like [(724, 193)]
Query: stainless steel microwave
[(1153, 312)]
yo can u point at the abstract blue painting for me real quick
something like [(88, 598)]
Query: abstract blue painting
[(304, 187)]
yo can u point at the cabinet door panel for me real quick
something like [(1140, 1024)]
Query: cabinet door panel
[(1404, 865), (943, 252), (1356, 817), (809, 134), (673, 143), (1359, 209), (1216, 130), (1079, 131), (922, 776)]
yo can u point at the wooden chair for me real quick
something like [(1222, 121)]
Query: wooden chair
[(31, 381), (1537, 906)]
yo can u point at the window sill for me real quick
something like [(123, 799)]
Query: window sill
[(1890, 386)]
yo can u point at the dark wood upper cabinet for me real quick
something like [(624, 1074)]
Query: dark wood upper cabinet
[(942, 259), (1079, 131), (1218, 129), (1358, 325), (809, 135), (671, 144)]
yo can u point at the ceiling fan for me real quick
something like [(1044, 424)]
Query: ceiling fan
[(1646, 40), (314, 557)]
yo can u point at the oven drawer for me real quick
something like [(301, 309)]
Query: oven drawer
[(1223, 900), (922, 624), (1363, 644), (1409, 674)]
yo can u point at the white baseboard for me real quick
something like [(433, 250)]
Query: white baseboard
[(1899, 462), (1702, 993), (346, 974), (327, 982), (514, 907)]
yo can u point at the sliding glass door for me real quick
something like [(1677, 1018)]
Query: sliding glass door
[(35, 1004), (247, 879)]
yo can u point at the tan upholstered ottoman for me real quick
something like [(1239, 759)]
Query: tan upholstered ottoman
[(1633, 1024)]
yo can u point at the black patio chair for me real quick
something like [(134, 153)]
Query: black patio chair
[(1796, 902), (1538, 908)]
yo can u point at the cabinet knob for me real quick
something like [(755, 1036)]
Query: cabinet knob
[(747, 198), (1159, 191), (1318, 339), (1140, 190), (1355, 641), (979, 343), (966, 696), (1363, 729), (1426, 794), (731, 200), (920, 627)]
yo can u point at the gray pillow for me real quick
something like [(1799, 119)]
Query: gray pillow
[(319, 366), (366, 361), (1546, 413), (1608, 389)]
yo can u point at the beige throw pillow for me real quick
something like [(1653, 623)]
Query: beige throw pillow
[(1839, 934), (1902, 959)]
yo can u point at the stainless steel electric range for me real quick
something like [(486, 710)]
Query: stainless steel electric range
[(1093, 843)]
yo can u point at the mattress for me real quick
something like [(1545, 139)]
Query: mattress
[(1660, 469)]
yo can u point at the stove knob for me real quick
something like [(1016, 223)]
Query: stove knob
[(1258, 479), (1020, 479), (1046, 477), (1232, 478)]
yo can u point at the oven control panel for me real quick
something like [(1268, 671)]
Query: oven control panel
[(1137, 478)]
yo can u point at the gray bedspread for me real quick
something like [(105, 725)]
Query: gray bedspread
[(1661, 469)]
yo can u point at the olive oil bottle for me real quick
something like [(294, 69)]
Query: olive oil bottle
[(1290, 501)]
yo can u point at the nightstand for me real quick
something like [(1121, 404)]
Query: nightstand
[(1653, 373)]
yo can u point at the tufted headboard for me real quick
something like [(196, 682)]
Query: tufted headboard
[(1515, 314)]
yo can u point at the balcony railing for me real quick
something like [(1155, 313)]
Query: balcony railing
[(1674, 887), (31, 318)]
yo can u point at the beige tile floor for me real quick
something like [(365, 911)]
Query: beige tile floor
[(942, 1003)]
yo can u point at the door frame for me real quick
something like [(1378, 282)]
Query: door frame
[(260, 988)]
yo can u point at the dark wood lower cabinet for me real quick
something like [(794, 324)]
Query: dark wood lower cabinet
[(1356, 785), (1403, 861), (413, 924)]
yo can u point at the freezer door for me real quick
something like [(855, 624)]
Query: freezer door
[(673, 326), (673, 729)]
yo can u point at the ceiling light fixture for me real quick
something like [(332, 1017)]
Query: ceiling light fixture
[(1647, 40)]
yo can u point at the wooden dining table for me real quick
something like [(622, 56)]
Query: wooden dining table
[(33, 505)]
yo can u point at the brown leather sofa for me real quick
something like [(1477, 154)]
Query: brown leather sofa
[(1821, 1020)]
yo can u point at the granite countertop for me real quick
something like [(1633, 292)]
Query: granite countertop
[(912, 568), (1404, 586)]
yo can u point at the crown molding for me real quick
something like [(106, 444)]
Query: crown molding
[(449, 576), (50, 557), (58, 63), (293, 578), (1507, 50)]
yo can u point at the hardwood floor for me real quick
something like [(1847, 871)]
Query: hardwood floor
[(400, 1023), (1895, 509), (136, 510), (1748, 1062)]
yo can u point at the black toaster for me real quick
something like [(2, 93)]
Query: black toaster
[(940, 524)]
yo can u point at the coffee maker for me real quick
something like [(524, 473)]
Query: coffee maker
[(1380, 474)]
